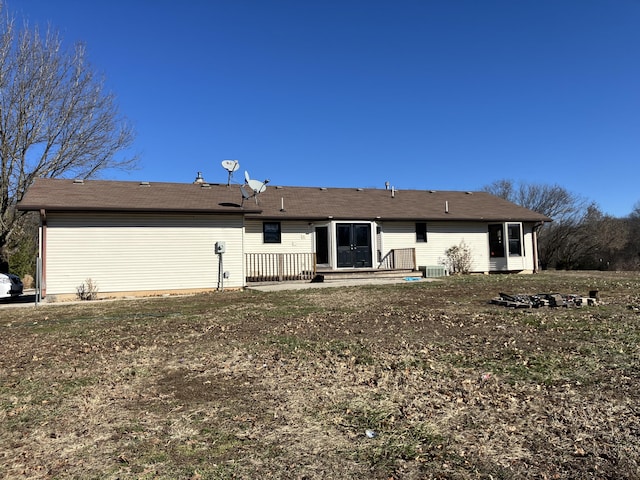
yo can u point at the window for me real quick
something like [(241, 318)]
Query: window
[(271, 232), (421, 232), (496, 240), (515, 244)]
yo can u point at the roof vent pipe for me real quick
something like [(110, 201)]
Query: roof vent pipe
[(386, 185), (446, 206), (282, 204), (393, 192)]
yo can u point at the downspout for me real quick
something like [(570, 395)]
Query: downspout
[(43, 253), (536, 227)]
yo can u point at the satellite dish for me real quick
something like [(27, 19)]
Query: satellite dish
[(256, 187), (230, 166)]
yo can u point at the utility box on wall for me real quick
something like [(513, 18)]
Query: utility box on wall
[(220, 247)]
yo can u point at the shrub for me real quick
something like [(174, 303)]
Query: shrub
[(28, 281), (87, 291), (458, 259)]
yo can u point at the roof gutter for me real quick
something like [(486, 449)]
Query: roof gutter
[(228, 210)]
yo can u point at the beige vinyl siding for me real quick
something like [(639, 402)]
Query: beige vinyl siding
[(440, 236), (141, 252), (443, 235), (296, 237)]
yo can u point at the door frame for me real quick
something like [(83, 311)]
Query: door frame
[(359, 252), (332, 226)]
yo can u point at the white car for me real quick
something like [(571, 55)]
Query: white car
[(10, 285)]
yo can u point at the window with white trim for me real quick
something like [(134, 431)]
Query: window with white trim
[(514, 232)]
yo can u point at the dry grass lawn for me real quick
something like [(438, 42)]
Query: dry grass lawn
[(410, 381)]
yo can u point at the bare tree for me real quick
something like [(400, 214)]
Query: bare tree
[(595, 242), (557, 242), (630, 257), (56, 120), (551, 200), (581, 236), (504, 188)]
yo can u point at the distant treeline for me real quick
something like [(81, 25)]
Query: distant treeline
[(580, 237)]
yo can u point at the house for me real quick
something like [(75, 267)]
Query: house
[(133, 238)]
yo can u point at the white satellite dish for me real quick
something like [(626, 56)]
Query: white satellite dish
[(256, 187), (230, 166)]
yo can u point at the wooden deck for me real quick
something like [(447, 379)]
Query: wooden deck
[(282, 267)]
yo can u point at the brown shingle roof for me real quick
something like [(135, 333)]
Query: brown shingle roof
[(307, 203)]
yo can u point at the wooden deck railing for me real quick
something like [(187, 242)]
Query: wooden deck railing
[(399, 259), (278, 267)]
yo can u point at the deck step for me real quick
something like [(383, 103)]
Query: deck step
[(333, 275)]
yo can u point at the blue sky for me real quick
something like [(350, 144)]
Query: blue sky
[(426, 94)]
